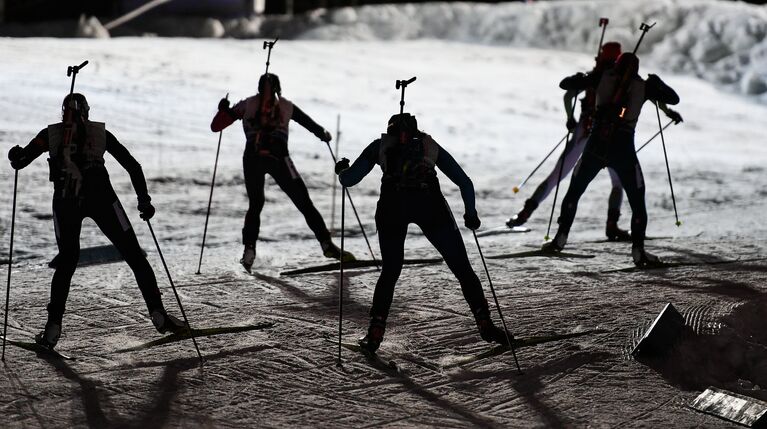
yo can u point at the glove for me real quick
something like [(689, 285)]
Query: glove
[(223, 105), (342, 165), (471, 221), (147, 210), (571, 124), (326, 137), (674, 116), (14, 155)]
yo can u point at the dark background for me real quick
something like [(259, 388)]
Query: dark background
[(50, 10)]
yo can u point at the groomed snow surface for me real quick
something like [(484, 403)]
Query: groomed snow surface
[(498, 110)]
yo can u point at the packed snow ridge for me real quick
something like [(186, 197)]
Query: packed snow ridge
[(721, 42)]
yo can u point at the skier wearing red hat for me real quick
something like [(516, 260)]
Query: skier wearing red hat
[(580, 133), (619, 95)]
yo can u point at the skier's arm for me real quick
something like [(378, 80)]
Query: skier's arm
[(569, 99), (362, 166), (656, 90), (305, 121), (226, 115), (672, 114), (129, 163), (455, 173), (579, 82), (22, 157)]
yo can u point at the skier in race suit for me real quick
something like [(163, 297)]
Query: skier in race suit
[(81, 188), (620, 94), (574, 149), (265, 117), (410, 193)]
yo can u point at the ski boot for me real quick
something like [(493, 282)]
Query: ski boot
[(372, 340), (644, 259), (248, 256), (164, 322), (556, 245), (489, 331), (613, 232), (48, 337), (520, 218), (330, 250)]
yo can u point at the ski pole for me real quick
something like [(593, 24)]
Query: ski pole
[(655, 135), (497, 305), (561, 167), (517, 188), (10, 258), (668, 170), (341, 277), (335, 185), (210, 198), (175, 292), (269, 45), (602, 23), (354, 209)]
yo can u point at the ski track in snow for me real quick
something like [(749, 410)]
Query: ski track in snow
[(498, 114)]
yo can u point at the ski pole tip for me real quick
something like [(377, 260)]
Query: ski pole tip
[(546, 237), (679, 223), (515, 189)]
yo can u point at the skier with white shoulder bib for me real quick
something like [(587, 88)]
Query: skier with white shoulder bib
[(81, 188), (620, 94), (265, 118)]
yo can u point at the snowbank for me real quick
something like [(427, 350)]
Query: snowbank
[(722, 42)]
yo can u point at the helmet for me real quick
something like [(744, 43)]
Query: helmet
[(627, 64), (273, 80), (402, 125), (609, 53), (77, 103)]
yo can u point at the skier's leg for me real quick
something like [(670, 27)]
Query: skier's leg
[(114, 223), (291, 183), (392, 229), (615, 200), (254, 185), (584, 173), (630, 173), (571, 158), (67, 222), (440, 229)]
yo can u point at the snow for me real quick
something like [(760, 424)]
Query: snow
[(497, 109), (722, 42)]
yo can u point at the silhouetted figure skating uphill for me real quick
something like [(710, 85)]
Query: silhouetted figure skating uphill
[(82, 189), (265, 118), (410, 193)]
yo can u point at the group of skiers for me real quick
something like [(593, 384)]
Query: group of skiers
[(603, 136)]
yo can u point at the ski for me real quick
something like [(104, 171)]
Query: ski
[(389, 367), (333, 266), (37, 348), (205, 332), (541, 253), (504, 230), (665, 265), (518, 343)]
